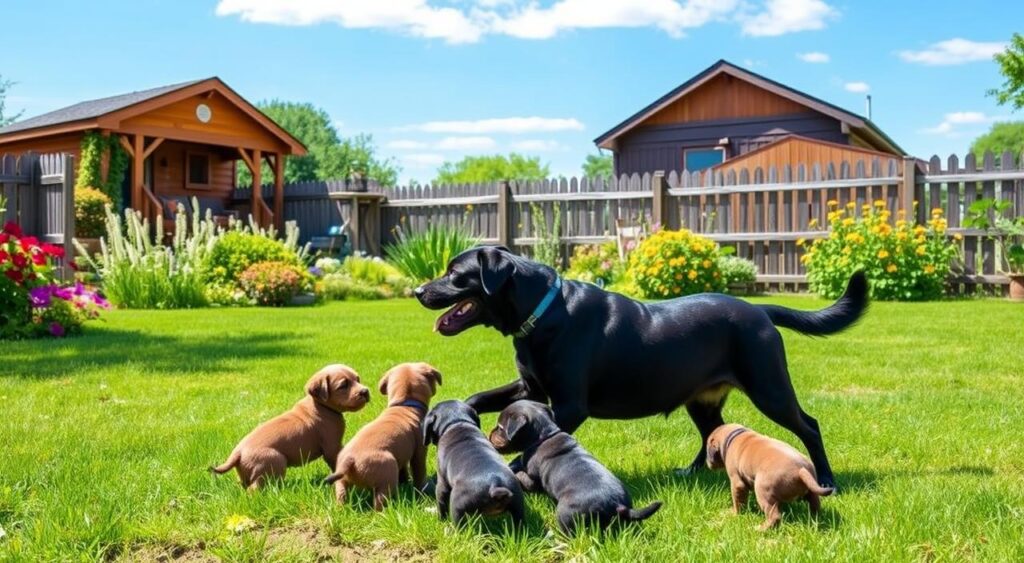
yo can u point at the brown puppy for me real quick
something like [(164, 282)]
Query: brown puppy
[(313, 428), (775, 470), (377, 456)]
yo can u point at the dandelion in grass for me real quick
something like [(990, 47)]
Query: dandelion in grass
[(239, 523)]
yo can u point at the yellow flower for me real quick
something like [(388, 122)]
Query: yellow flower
[(891, 268), (715, 275), (803, 259), (851, 204), (883, 253), (801, 241), (847, 249), (678, 277), (901, 235), (937, 212), (921, 250), (929, 269), (469, 207), (238, 523), (692, 275), (707, 287), (833, 203), (706, 264), (958, 236), (812, 223), (879, 203), (848, 222)]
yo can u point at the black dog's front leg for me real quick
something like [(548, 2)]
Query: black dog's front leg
[(569, 417), (497, 399)]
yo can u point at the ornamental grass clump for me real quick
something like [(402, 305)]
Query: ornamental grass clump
[(424, 256), (904, 262), (673, 263)]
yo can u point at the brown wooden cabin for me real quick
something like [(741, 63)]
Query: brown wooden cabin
[(184, 141), (726, 112)]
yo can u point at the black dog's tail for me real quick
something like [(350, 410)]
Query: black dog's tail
[(834, 318), (634, 514)]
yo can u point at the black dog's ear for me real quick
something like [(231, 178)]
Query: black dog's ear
[(429, 432), (496, 267), (515, 423)]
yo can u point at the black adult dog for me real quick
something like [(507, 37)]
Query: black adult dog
[(553, 462), (472, 478), (595, 353)]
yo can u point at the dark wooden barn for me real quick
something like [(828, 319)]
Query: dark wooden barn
[(726, 112)]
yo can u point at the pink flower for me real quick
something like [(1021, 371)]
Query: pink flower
[(56, 329), (13, 229)]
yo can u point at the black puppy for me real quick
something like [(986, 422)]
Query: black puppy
[(472, 478), (594, 353), (555, 463)]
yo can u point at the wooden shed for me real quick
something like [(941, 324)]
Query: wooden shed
[(726, 112), (184, 140)]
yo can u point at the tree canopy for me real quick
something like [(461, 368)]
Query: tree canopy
[(598, 165), (1011, 65), (330, 157), (474, 169), (1004, 136), (6, 119)]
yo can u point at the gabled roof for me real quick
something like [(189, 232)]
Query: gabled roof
[(863, 125), (104, 112)]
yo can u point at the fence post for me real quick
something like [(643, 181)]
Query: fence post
[(68, 199), (659, 206), (908, 186), (505, 235)]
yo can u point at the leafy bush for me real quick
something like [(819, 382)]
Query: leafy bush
[(597, 264), (236, 250), (736, 270), (904, 263), (273, 283), (340, 287), (359, 277), (138, 272), (90, 214), (425, 255), (548, 250), (1006, 232), (674, 263), (32, 301)]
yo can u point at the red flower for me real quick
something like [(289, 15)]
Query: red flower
[(52, 250), (14, 275), (4, 256), (39, 259), (28, 242), (4, 237), (12, 228), (19, 261)]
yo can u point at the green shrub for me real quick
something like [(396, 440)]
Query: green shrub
[(90, 214), (359, 277), (597, 264), (904, 263), (236, 250), (674, 263), (273, 283), (736, 270), (425, 255), (137, 272), (340, 287)]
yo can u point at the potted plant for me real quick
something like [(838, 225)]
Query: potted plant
[(989, 215), (90, 218)]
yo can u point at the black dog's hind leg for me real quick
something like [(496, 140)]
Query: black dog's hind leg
[(707, 417), (497, 399)]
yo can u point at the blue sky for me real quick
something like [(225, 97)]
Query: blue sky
[(434, 80)]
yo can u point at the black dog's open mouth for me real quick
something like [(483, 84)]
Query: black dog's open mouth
[(458, 318)]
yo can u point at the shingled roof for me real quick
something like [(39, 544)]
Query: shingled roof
[(92, 108)]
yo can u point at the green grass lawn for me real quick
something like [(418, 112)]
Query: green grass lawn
[(105, 440)]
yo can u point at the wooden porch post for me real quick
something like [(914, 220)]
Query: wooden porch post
[(279, 190), (138, 175), (257, 187)]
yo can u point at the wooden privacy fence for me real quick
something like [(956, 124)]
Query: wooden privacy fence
[(39, 192), (761, 213)]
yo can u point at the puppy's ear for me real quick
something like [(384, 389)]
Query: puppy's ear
[(382, 385), (515, 424), (496, 267), (434, 377), (429, 432), (319, 387)]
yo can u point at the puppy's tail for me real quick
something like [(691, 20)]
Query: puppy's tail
[(500, 494), (812, 484), (343, 467), (842, 314), (227, 465), (634, 514)]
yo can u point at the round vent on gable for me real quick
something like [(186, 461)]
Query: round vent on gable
[(204, 113)]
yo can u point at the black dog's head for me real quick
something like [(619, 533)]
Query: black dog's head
[(445, 414), (484, 285), (521, 425)]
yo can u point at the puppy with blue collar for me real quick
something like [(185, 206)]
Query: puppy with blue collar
[(386, 450)]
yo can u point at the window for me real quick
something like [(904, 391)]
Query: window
[(702, 158), (198, 171)]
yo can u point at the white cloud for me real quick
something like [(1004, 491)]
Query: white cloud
[(513, 125), (465, 144), (406, 145), (538, 145), (779, 17), (953, 52), (813, 57), (672, 17), (467, 22), (857, 87), (953, 123), (419, 160)]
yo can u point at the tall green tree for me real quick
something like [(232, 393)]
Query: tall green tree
[(474, 169), (1004, 136), (1011, 65), (330, 157), (6, 119), (598, 165)]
